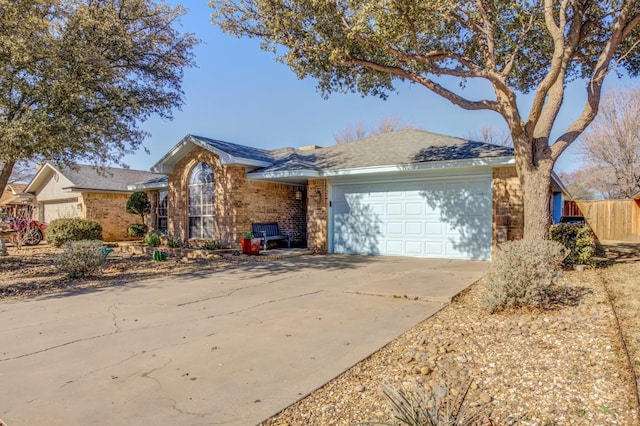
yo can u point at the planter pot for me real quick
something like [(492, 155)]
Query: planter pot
[(251, 246), (159, 255)]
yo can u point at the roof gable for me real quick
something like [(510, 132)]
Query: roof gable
[(82, 177), (229, 153)]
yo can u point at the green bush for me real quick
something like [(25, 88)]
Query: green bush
[(211, 245), (524, 273), (137, 230), (81, 258), (61, 231), (577, 238), (152, 239), (175, 242), (138, 203)]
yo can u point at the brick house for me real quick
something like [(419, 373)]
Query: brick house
[(87, 192), (407, 193)]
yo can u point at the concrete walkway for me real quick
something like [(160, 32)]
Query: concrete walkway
[(231, 347)]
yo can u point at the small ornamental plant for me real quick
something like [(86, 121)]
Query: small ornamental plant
[(81, 259), (524, 274)]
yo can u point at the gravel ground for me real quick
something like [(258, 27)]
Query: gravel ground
[(558, 367), (563, 366)]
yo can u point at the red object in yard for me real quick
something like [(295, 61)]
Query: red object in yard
[(251, 246), (30, 232)]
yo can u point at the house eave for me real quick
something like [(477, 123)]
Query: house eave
[(75, 189), (143, 186), (417, 167), (166, 163)]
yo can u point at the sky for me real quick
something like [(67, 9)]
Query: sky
[(239, 93)]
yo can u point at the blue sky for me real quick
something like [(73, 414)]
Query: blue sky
[(240, 94)]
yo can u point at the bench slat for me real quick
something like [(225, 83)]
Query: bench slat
[(269, 231)]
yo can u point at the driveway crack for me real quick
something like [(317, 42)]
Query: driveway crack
[(114, 316), (220, 296), (257, 305), (84, 339)]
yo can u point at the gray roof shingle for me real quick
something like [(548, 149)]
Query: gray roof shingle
[(105, 179), (388, 149)]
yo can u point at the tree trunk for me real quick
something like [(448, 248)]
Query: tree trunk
[(5, 174), (536, 188)]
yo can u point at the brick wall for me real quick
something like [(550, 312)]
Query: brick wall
[(508, 206), (238, 202), (109, 210), (275, 202), (317, 215)]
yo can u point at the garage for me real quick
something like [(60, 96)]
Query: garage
[(58, 210), (432, 218)]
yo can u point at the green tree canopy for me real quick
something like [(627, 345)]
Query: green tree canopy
[(516, 46), (78, 76), (138, 203)]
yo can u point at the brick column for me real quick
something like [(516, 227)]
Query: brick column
[(317, 216)]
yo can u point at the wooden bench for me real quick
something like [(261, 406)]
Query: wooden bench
[(269, 231)]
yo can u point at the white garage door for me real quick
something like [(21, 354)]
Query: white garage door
[(60, 210), (440, 219)]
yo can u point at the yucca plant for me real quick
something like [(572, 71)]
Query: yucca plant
[(414, 405)]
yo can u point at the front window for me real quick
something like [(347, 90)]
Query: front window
[(201, 190), (163, 204)]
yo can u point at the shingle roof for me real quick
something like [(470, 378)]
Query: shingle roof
[(402, 147), (241, 151), (106, 179)]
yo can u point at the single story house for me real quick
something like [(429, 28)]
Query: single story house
[(87, 192), (14, 202), (407, 193)]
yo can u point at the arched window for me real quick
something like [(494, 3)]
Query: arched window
[(201, 197)]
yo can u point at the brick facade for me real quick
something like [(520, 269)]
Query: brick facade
[(318, 216), (238, 201), (508, 206), (109, 210)]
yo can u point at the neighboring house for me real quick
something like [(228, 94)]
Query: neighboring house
[(407, 193), (87, 192), (14, 202)]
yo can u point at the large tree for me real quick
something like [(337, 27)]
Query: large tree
[(516, 46), (611, 144), (77, 77)]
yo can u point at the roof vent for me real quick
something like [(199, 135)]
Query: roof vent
[(309, 148)]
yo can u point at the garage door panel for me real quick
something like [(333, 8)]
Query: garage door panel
[(413, 208), (425, 219), (413, 228), (62, 210), (434, 228), (394, 209)]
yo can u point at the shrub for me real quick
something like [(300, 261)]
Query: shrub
[(81, 258), (152, 239), (138, 203), (61, 231), (524, 274), (175, 242), (577, 238), (414, 405), (137, 230), (211, 245)]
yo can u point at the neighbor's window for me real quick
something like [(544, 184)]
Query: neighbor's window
[(163, 204), (201, 188)]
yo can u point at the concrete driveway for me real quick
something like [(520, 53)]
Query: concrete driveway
[(231, 347)]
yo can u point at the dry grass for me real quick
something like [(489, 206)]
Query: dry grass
[(623, 283)]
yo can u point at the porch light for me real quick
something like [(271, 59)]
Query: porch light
[(298, 195)]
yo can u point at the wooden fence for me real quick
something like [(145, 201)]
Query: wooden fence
[(617, 220)]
